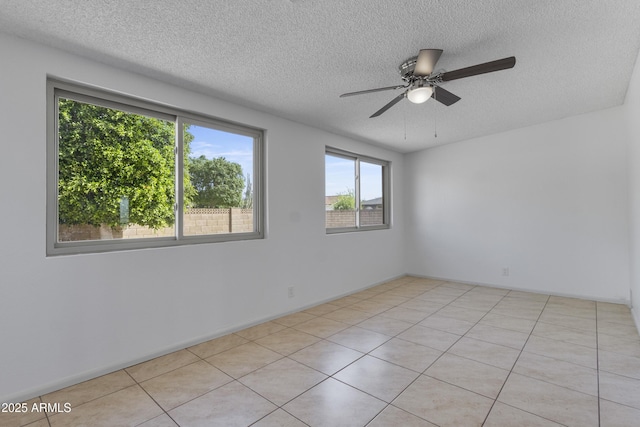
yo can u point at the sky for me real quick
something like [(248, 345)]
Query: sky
[(340, 177), (236, 148), (215, 143)]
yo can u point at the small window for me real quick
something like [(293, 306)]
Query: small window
[(121, 177), (356, 192)]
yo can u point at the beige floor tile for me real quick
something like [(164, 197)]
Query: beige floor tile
[(620, 364), (447, 324), (321, 327), (334, 404), (89, 390), (562, 333), (550, 401), (619, 345), (522, 304), (407, 354), (261, 330), (508, 322), (279, 418), (326, 357), (321, 309), (369, 293), (572, 322), (232, 405), (443, 404), (500, 336), (294, 319), (287, 341), (449, 289), (389, 298), (346, 301), (624, 318), (128, 407), (436, 297), (619, 389), (385, 325), (528, 296), (359, 339), (283, 380), (39, 423), (177, 387), (218, 345), (568, 352), (162, 421), (572, 302), (161, 365), (405, 314), (488, 290), (24, 415), (371, 306), (616, 415), (376, 377), (348, 315), (408, 291), (425, 306), (433, 338), (612, 307), (462, 313), (471, 375), (558, 372), (618, 329), (241, 360), (514, 310), (392, 416), (582, 312), (485, 352), (482, 303), (502, 415)]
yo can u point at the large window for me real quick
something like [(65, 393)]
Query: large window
[(356, 192), (127, 174)]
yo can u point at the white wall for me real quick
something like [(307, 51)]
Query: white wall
[(68, 318), (548, 202), (632, 106)]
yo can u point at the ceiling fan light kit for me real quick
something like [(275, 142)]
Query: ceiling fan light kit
[(423, 83), (419, 92)]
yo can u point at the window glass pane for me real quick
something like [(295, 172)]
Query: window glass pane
[(340, 192), (371, 200), (218, 187), (115, 174)]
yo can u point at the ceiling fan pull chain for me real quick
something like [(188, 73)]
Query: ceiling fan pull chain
[(405, 124), (435, 115)]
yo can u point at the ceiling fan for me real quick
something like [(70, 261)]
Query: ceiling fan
[(422, 83)]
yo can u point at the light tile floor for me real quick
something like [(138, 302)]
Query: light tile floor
[(410, 352)]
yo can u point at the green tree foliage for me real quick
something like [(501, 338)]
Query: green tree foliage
[(106, 156), (218, 182), (346, 201)]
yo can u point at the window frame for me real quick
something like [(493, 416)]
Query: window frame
[(57, 88), (386, 190)]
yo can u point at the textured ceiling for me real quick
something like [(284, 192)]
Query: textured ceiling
[(293, 58)]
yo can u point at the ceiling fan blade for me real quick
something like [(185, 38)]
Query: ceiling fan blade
[(474, 70), (426, 62), (380, 89), (444, 96), (393, 102)]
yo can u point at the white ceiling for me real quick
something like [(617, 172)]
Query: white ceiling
[(293, 58)]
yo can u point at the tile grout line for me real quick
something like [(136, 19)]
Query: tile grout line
[(514, 364), (432, 363)]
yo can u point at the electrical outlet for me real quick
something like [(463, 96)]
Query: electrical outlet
[(505, 271), (290, 292)]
